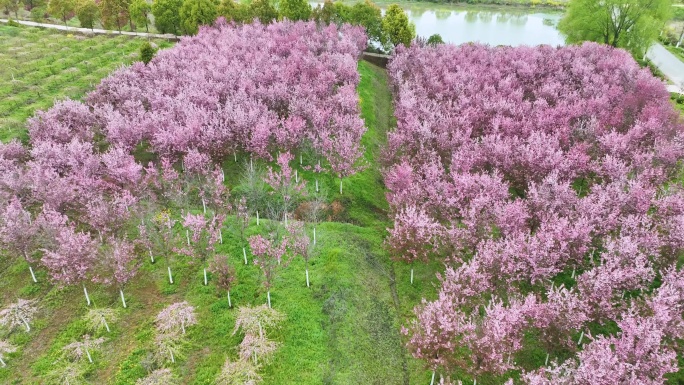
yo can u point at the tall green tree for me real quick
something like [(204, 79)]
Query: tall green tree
[(194, 13), (167, 15), (295, 9), (263, 10), (368, 15), (115, 13), (140, 11), (88, 13), (397, 26), (629, 24), (64, 9), (30, 4), (326, 13)]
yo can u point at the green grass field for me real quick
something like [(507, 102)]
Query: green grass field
[(345, 329), (38, 66)]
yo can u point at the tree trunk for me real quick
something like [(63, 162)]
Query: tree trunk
[(229, 304), (28, 328), (151, 256), (204, 205), (268, 296), (205, 276), (257, 217), (220, 236), (580, 339), (412, 276), (187, 236), (90, 359), (172, 359), (147, 28), (546, 362), (314, 236), (170, 277), (86, 294), (244, 254), (307, 277), (106, 324), (340, 186), (432, 381), (316, 184), (300, 158), (33, 276), (2, 362), (183, 326), (296, 176), (123, 299), (681, 36)]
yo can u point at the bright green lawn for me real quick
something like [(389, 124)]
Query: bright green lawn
[(38, 66)]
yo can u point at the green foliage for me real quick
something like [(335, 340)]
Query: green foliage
[(114, 13), (294, 9), (38, 13), (87, 12), (326, 13), (29, 5), (147, 52), (167, 15), (194, 13), (397, 26), (11, 6), (62, 9), (435, 39), (140, 11), (629, 24), (368, 15), (263, 10), (13, 23)]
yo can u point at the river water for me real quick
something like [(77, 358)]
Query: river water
[(514, 26), (489, 27)]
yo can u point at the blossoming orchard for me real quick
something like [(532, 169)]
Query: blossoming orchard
[(525, 202)]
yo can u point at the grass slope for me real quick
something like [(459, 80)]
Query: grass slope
[(38, 66), (342, 330)]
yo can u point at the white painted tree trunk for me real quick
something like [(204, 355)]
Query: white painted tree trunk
[(432, 380), (257, 217), (106, 324), (546, 362), (205, 277), (411, 276), (123, 299), (183, 326), (187, 236), (28, 328), (86, 295), (244, 254), (681, 37), (307, 277), (573, 273), (229, 303), (296, 176), (151, 256), (580, 339), (285, 219), (300, 159), (90, 359), (172, 359), (314, 236), (268, 296), (251, 165), (235, 156), (316, 184), (2, 362), (340, 186), (33, 276), (204, 205), (170, 276), (223, 175), (220, 236)]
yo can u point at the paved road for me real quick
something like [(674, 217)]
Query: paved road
[(668, 64), (93, 31)]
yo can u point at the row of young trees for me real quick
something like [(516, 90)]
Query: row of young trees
[(543, 178), (186, 16)]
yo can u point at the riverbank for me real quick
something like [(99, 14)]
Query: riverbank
[(525, 6)]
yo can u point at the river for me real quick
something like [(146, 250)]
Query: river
[(496, 26)]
